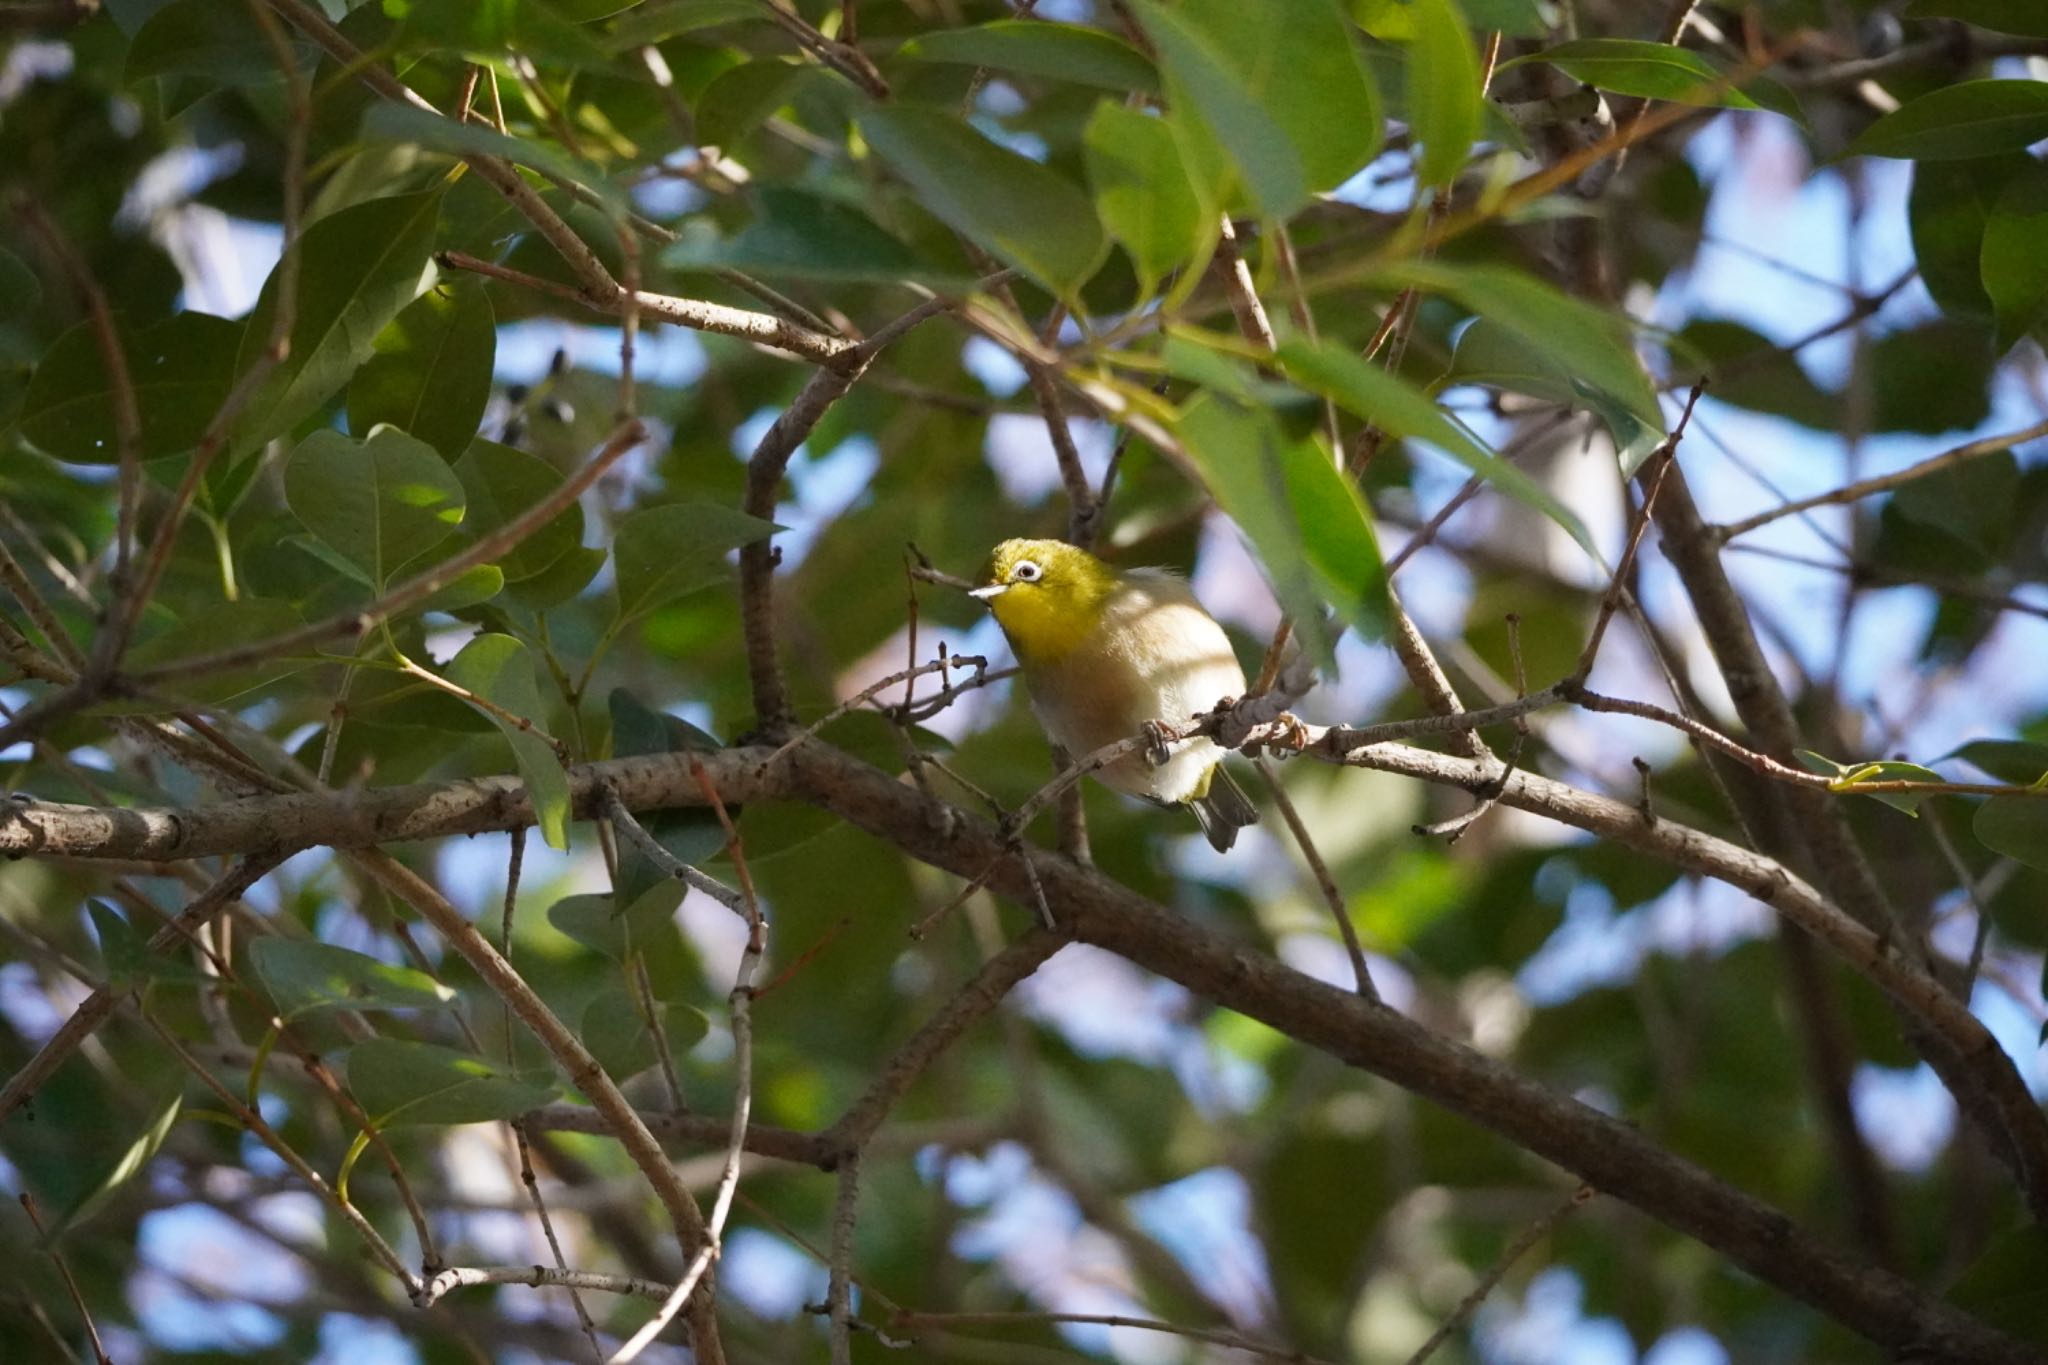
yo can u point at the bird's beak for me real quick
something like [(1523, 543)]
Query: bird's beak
[(991, 590)]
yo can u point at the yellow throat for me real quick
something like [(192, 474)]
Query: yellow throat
[(1047, 595)]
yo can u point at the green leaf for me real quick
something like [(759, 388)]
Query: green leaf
[(2016, 826), (125, 952), (559, 582), (805, 236), (208, 627), (20, 290), (667, 551), (1389, 403), (741, 98), (2023, 17), (358, 269), (1291, 102), (305, 977), (616, 1032), (181, 370), (500, 484), (1751, 371), (1590, 345), (1932, 378), (1143, 193), (1019, 211), (2022, 762), (1949, 205), (486, 30), (1302, 516), (1957, 122), (1443, 90), (499, 669), (690, 834), (377, 503), (1847, 776), (202, 38), (2015, 260), (594, 921), (406, 125), (131, 1163), (430, 375), (1656, 71), (1063, 52), (401, 1083)]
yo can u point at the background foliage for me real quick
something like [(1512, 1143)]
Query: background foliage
[(1245, 289)]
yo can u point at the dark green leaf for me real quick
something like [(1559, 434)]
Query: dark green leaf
[(401, 1083), (305, 977), (487, 30), (125, 951), (740, 99), (131, 1163), (1443, 90), (2015, 260), (805, 236), (2016, 826), (500, 484), (408, 126), (499, 669), (2018, 761), (1972, 119), (615, 1030), (2023, 17), (1304, 518), (181, 370), (207, 627), (1657, 71), (1143, 193), (1389, 403), (431, 374), (202, 38), (594, 922), (1950, 203), (1291, 102), (1746, 368), (358, 269), (1931, 379), (20, 290), (1065, 52), (667, 551), (1016, 209), (376, 503)]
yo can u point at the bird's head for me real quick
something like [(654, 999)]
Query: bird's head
[(1047, 595)]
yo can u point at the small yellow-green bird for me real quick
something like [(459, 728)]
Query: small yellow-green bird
[(1106, 652)]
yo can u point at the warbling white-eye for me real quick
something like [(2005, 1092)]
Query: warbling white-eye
[(1104, 653)]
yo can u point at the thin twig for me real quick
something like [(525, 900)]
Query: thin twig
[(92, 1331), (1517, 1249)]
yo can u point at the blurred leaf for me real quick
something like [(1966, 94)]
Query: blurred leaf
[(400, 1084), (1389, 403), (208, 627), (1291, 103), (1849, 776), (2016, 826), (1932, 379), (181, 370), (1654, 71), (486, 31), (1036, 47), (1591, 345), (1748, 369), (740, 99), (1443, 90), (406, 125), (1971, 119), (1491, 354), (1971, 503), (201, 38), (2015, 260), (616, 1032), (1304, 518), (1017, 210), (499, 669), (500, 484), (376, 503), (806, 236), (2007, 1285), (1949, 206), (1143, 194), (2003, 16), (2018, 761), (430, 375), (358, 269), (131, 1163), (677, 548), (125, 952), (594, 921), (305, 977)]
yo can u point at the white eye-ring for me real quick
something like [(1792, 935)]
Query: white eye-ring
[(1027, 571)]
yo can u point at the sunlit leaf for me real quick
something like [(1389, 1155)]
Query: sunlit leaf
[(1143, 193), (377, 503), (1443, 90)]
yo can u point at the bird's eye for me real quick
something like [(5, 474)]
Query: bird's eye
[(1026, 572)]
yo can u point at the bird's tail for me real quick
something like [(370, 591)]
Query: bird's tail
[(1224, 809)]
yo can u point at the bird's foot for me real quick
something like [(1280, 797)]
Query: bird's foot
[(1158, 743)]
